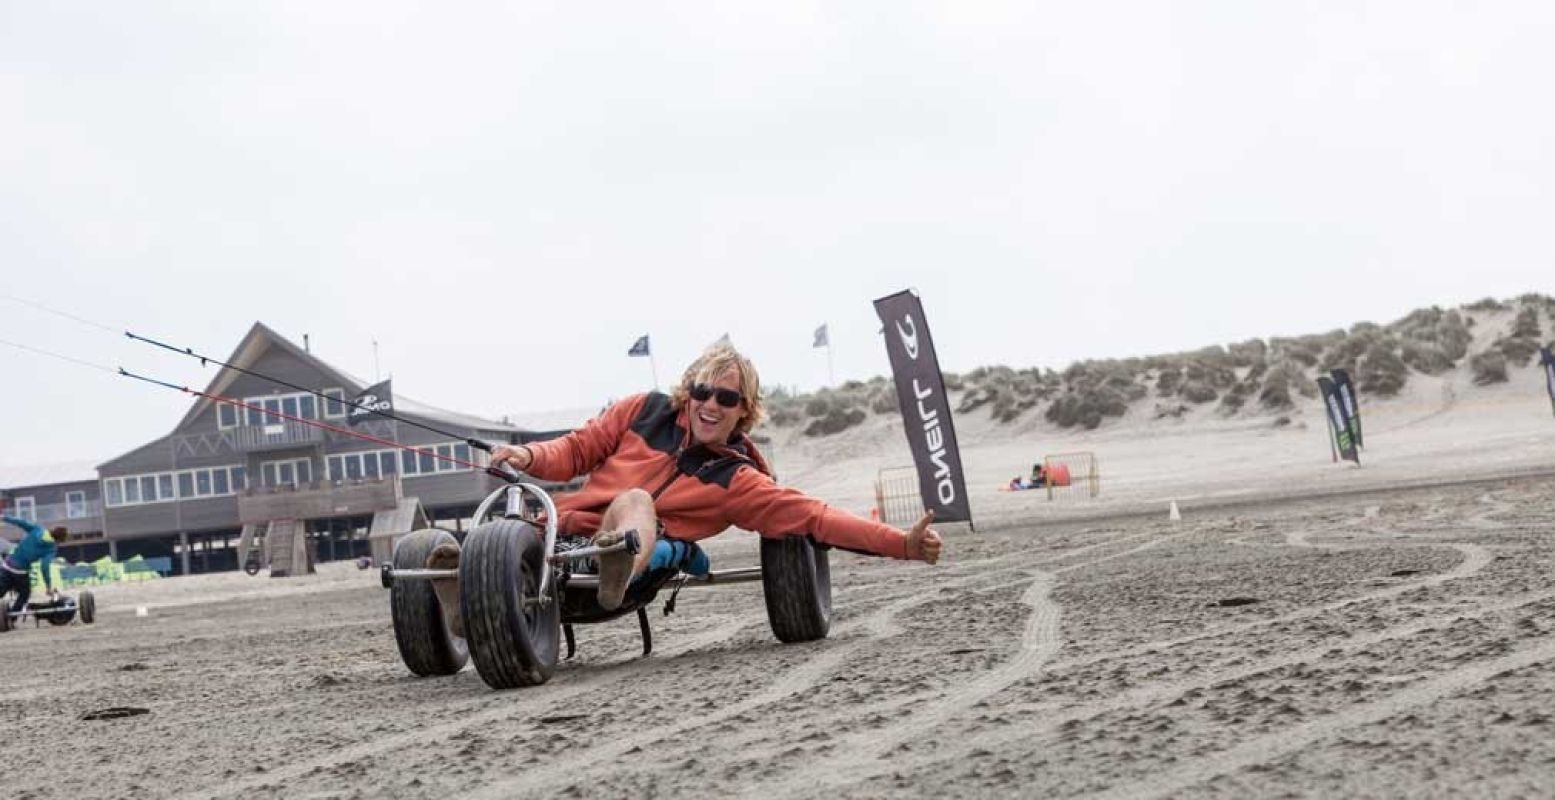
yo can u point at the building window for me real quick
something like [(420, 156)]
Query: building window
[(308, 407), (239, 478), (75, 504), (114, 491), (334, 403), (226, 416), (291, 472), (186, 484), (26, 509)]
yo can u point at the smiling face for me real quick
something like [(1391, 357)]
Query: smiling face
[(711, 423)]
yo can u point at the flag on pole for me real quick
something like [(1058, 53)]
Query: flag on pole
[(640, 347), (821, 337), (722, 341), (375, 398)]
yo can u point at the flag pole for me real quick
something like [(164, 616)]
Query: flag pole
[(654, 369), (831, 372)]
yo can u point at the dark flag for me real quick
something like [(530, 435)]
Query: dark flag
[(378, 397), (1350, 403), (920, 389), (822, 338), (1547, 358), (1336, 420), (639, 347)]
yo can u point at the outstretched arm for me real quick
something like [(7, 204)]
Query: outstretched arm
[(759, 504)]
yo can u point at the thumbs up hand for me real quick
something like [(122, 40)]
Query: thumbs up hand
[(923, 542)]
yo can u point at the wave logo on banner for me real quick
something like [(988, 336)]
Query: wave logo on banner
[(1336, 421), (1547, 358), (920, 389), (376, 398), (1350, 404)]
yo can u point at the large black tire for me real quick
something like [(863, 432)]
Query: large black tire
[(426, 646), (796, 580), (62, 613), (87, 604), (512, 645)]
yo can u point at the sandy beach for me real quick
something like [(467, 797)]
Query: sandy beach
[(1307, 629)]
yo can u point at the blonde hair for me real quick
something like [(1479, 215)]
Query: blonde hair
[(712, 363)]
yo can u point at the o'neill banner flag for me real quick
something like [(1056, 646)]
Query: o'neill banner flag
[(640, 347), (1350, 405), (1336, 420), (377, 397), (920, 389), (1547, 358)]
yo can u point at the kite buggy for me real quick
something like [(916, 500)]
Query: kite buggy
[(62, 610), (522, 589)]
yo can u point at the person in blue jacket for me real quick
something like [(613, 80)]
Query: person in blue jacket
[(38, 546)]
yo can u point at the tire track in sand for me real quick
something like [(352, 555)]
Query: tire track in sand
[(866, 751), (1475, 559), (1146, 697), (1265, 748), (880, 625), (481, 714)]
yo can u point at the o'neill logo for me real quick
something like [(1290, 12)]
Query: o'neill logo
[(934, 438), (909, 333)]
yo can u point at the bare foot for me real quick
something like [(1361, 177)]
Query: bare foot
[(615, 570)]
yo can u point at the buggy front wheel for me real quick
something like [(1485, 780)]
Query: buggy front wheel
[(514, 633)]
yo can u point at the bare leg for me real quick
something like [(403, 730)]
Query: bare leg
[(631, 510)]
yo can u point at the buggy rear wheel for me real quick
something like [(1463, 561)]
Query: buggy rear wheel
[(87, 605), (796, 580), (426, 645), (514, 636)]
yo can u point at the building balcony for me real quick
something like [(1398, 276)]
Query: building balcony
[(319, 499)]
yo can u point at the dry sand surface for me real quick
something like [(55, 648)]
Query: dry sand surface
[(1278, 641)]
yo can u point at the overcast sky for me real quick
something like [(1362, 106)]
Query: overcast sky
[(505, 196)]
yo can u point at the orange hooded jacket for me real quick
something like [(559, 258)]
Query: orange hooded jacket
[(642, 442)]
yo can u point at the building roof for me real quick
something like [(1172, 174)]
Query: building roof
[(28, 476), (564, 419), (261, 338)]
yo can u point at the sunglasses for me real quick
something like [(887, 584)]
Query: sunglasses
[(728, 398)]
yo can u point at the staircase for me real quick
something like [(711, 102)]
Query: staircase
[(286, 548)]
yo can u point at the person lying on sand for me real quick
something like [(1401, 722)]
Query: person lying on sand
[(680, 467)]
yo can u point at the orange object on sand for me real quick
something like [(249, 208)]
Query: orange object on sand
[(1058, 475)]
